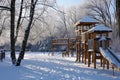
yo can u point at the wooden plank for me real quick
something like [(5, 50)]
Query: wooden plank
[(60, 44), (94, 35)]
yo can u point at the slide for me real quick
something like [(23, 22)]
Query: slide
[(109, 54)]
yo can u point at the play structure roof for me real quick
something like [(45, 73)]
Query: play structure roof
[(103, 38), (100, 28), (86, 21)]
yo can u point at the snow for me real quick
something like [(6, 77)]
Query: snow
[(41, 66), (100, 28), (110, 57), (103, 38), (88, 19)]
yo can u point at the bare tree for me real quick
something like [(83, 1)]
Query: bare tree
[(12, 27), (118, 15), (30, 19), (63, 22), (12, 30), (3, 23), (27, 31), (19, 20), (73, 15), (31, 22), (101, 11)]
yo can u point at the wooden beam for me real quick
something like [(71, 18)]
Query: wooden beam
[(52, 50), (94, 53)]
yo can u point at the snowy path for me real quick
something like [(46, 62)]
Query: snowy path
[(43, 67)]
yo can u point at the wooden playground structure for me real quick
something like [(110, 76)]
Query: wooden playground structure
[(68, 42), (89, 35), (90, 38)]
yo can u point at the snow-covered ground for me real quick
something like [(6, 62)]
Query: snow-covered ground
[(38, 66)]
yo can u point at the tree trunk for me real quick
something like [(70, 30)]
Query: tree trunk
[(118, 15), (26, 35), (19, 20), (12, 27)]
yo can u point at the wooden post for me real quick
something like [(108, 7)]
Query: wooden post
[(101, 58), (79, 52), (83, 52), (113, 69), (68, 46), (94, 55), (94, 35), (108, 42), (52, 50), (103, 63), (85, 57), (76, 51), (89, 58), (82, 28), (107, 63)]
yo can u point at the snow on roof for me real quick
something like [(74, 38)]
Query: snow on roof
[(87, 19), (103, 38), (100, 28)]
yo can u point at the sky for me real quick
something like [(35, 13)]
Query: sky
[(67, 3)]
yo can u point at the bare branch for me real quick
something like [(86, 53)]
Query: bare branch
[(5, 8)]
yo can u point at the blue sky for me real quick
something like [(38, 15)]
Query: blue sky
[(66, 3)]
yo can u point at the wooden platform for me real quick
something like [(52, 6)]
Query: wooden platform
[(68, 42)]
